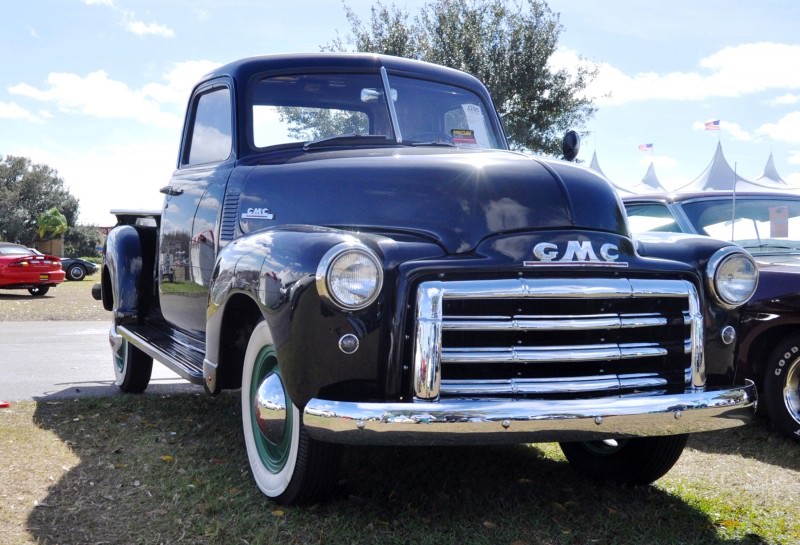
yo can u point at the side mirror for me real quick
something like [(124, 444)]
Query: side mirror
[(571, 145)]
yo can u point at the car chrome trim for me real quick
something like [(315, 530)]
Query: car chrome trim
[(474, 421), (431, 353), (387, 92), (716, 260)]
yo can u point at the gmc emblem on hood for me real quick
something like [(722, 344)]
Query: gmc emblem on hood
[(576, 252)]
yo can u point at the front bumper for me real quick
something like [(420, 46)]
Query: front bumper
[(499, 421)]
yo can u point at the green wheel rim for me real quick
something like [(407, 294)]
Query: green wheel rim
[(120, 356), (273, 455)]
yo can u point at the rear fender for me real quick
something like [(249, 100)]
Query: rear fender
[(128, 272)]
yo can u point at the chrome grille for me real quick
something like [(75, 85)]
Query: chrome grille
[(556, 336)]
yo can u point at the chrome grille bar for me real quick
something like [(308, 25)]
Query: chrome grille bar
[(431, 323), (553, 323), (557, 385), (551, 354)]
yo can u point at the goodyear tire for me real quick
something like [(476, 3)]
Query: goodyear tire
[(639, 460), (781, 387), (287, 465), (132, 367)]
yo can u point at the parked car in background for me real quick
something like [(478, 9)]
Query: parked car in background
[(77, 268), (768, 226), (21, 268), (74, 267)]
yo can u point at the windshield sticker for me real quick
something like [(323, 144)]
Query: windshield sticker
[(463, 136)]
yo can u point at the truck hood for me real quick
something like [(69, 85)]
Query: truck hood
[(454, 196)]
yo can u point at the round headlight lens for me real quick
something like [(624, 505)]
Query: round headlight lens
[(733, 276), (350, 276)]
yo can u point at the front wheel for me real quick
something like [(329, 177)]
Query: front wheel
[(287, 465), (781, 388), (132, 367), (639, 460)]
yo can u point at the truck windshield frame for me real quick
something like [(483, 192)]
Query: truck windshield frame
[(315, 107)]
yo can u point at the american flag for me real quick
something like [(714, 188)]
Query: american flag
[(712, 125), (645, 147)]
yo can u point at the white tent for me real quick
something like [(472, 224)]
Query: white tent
[(719, 176), (770, 175), (595, 165), (650, 182)]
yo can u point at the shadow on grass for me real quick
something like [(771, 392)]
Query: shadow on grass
[(172, 469), (757, 441)]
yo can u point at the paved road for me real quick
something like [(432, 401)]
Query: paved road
[(48, 360)]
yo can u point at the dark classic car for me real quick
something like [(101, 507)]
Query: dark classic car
[(77, 268), (23, 268), (349, 241), (768, 226)]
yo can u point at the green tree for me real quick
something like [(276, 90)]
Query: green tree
[(82, 241), (27, 191), (505, 44)]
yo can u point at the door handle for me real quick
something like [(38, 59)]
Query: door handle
[(172, 191)]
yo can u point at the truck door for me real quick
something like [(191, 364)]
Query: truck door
[(192, 208)]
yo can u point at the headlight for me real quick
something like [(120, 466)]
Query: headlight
[(350, 276), (732, 276)]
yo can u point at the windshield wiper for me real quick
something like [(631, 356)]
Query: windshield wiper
[(349, 140)]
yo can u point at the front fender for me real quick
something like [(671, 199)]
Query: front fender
[(275, 271)]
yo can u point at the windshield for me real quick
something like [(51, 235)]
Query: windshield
[(762, 225), (325, 107)]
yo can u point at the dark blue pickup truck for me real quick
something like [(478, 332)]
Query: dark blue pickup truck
[(349, 241)]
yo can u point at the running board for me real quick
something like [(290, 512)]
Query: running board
[(176, 351)]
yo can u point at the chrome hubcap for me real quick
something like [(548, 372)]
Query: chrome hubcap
[(269, 408)]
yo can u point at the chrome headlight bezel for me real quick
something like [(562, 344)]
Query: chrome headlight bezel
[(334, 285), (732, 276)]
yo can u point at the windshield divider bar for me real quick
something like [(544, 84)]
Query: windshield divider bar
[(387, 92)]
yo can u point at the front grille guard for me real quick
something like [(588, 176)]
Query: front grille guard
[(431, 323)]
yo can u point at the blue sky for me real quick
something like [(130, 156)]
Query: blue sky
[(96, 88)]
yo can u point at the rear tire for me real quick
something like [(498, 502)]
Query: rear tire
[(132, 368), (38, 291), (287, 465), (781, 388), (639, 460), (76, 272)]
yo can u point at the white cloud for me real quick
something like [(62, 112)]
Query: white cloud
[(154, 29), (131, 22), (180, 80), (99, 96), (12, 110), (139, 170), (786, 129), (731, 72), (785, 100)]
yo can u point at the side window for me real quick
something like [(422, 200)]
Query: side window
[(210, 138), (650, 217)]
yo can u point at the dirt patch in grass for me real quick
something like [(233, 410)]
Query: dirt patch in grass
[(67, 301)]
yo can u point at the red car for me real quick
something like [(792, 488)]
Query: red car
[(20, 268)]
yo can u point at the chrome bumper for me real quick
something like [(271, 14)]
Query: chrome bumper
[(477, 421)]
